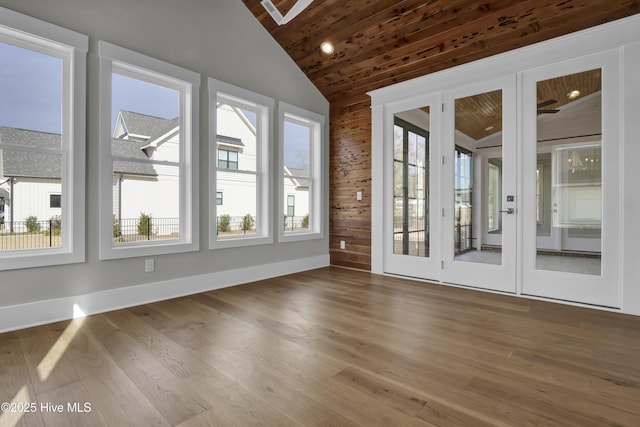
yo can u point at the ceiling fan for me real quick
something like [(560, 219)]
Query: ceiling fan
[(293, 12), (543, 104)]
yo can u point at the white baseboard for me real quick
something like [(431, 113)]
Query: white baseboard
[(48, 311)]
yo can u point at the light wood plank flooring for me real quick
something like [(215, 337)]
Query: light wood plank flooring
[(328, 347)]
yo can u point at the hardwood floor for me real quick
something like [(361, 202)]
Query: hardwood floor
[(328, 347)]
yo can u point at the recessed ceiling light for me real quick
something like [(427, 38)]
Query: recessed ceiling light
[(488, 128), (573, 94), (326, 47)]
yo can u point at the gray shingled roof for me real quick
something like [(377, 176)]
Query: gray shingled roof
[(230, 140), (29, 164), (150, 126), (132, 150), (301, 176)]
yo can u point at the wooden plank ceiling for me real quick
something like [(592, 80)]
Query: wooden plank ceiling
[(378, 43), (382, 42)]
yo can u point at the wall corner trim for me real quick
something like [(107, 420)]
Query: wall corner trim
[(54, 310)]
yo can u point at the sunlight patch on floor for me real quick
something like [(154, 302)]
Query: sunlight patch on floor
[(12, 418), (49, 362)]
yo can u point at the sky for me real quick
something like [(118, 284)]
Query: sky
[(31, 98), (141, 97), (296, 145), (30, 90)]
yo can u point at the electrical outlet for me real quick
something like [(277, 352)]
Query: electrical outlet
[(343, 245), (359, 195), (149, 265)]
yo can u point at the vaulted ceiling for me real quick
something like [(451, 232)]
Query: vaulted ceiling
[(381, 42)]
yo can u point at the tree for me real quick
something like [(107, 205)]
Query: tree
[(224, 223), (247, 223), (144, 224), (32, 224)]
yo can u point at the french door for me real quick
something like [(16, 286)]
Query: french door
[(571, 181), (510, 184), (412, 191), (479, 186)]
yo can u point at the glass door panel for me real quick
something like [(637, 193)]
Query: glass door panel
[(478, 125), (479, 186), (411, 187), (410, 195), (569, 134), (571, 181)]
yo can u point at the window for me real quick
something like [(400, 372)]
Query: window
[(493, 197), (463, 208), (301, 176), (148, 158), (291, 206), (539, 194), (55, 201), (240, 138), (411, 185), (227, 159), (42, 145)]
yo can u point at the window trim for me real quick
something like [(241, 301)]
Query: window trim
[(316, 123), (264, 179), (72, 47), (137, 65)]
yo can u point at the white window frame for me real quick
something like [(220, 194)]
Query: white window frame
[(27, 32), (132, 64), (315, 122), (263, 106)]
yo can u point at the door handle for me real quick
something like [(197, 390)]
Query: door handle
[(509, 211)]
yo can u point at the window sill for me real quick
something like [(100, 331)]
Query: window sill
[(296, 237), (141, 250), (238, 242)]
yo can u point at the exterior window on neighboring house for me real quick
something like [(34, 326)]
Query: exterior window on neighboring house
[(240, 138), (291, 206), (42, 145), (227, 159), (55, 201), (301, 182), (148, 162)]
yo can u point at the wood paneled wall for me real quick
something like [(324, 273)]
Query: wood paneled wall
[(350, 172)]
